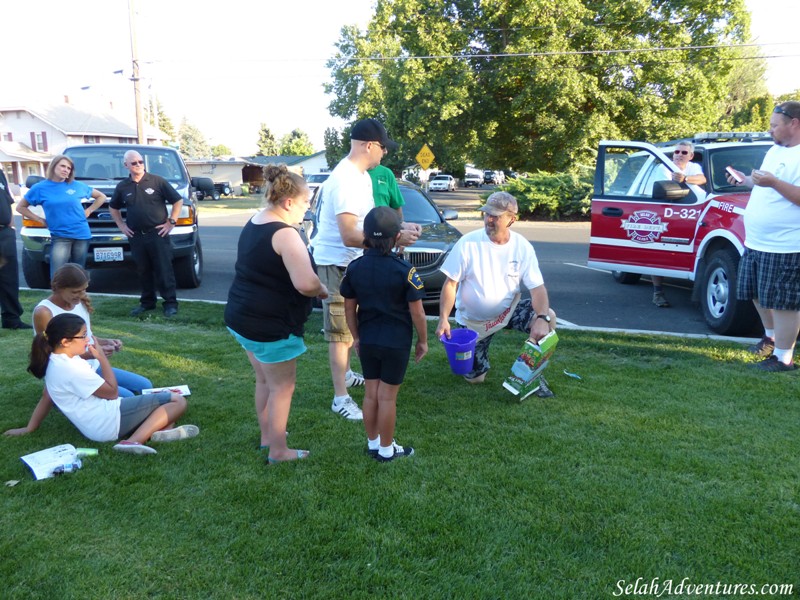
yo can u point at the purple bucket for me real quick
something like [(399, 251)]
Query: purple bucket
[(460, 349)]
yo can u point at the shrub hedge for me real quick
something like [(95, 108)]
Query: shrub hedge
[(554, 196)]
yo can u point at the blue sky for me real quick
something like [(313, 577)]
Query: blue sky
[(228, 66)]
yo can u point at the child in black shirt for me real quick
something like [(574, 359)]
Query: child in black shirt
[(383, 299)]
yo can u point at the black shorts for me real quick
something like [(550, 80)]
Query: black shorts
[(387, 364)]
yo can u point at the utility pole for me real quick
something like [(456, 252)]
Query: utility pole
[(137, 95)]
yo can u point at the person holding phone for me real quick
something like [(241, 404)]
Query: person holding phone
[(769, 272)]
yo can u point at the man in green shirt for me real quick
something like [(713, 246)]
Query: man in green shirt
[(385, 191)]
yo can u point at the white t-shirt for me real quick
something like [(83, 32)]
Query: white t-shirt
[(347, 190), (79, 310), (490, 275), (72, 383), (692, 168), (771, 222)]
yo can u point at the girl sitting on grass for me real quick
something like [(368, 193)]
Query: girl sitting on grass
[(69, 284), (91, 401)]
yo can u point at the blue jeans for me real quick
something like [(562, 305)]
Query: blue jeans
[(64, 250), (129, 384)]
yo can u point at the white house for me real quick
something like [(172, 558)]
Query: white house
[(234, 170), (31, 136)]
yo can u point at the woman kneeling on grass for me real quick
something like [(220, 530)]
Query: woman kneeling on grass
[(91, 401)]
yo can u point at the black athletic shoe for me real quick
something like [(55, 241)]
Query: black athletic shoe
[(399, 452), (773, 365)]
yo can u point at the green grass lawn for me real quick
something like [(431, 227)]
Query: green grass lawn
[(669, 459)]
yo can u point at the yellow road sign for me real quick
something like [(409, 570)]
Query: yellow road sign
[(425, 157)]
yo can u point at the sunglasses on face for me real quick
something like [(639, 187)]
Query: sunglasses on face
[(133, 163), (782, 111), (682, 152)]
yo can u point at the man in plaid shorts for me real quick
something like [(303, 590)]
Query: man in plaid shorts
[(769, 272)]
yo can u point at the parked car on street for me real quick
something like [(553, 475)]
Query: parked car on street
[(429, 252), (100, 166), (643, 223), (473, 180), (442, 183), (314, 180)]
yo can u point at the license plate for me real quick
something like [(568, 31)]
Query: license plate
[(108, 255)]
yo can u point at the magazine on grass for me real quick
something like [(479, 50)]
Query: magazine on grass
[(527, 369), (180, 389), (44, 462)]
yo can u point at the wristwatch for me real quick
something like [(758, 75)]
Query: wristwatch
[(545, 317), (172, 221)]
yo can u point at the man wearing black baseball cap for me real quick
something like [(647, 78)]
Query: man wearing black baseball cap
[(343, 202), (372, 130)]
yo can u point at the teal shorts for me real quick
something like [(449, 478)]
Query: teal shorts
[(272, 352)]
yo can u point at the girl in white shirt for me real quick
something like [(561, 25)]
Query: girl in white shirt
[(91, 401)]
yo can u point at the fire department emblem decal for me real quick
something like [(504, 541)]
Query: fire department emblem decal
[(644, 226)]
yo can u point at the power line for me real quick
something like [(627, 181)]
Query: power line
[(559, 52), (291, 59)]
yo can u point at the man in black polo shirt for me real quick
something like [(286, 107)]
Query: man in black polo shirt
[(147, 225), (10, 308)]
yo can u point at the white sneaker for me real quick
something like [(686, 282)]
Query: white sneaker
[(348, 409), (129, 447), (353, 379), (178, 433)]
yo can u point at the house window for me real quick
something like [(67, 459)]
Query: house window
[(91, 139), (40, 142), (33, 170), (8, 137), (127, 140)]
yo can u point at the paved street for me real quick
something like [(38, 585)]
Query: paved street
[(580, 295)]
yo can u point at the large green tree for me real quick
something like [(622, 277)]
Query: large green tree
[(296, 143), (267, 144), (534, 84), (192, 142), (334, 147), (220, 150)]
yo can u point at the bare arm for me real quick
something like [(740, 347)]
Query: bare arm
[(352, 236), (164, 228), (351, 316), (99, 199), (289, 246), (116, 214), (447, 300), (39, 413), (541, 306), (22, 208), (109, 389), (784, 188), (421, 325)]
